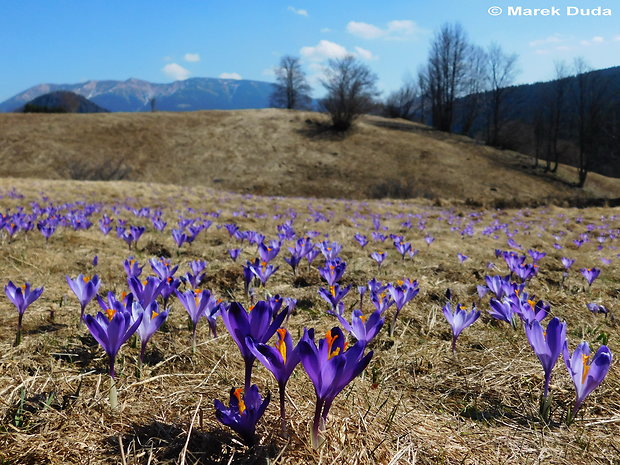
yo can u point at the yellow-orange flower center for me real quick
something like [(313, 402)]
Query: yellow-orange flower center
[(110, 312), (586, 367), (330, 342), (237, 394), (85, 279), (281, 345)]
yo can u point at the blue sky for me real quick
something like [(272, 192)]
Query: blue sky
[(70, 41)]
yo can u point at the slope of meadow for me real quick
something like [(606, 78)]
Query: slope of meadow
[(416, 403), (278, 152)]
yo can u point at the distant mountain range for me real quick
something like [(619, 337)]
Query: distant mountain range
[(137, 95), (61, 101)]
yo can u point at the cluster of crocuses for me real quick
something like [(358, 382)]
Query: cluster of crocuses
[(331, 363), (139, 310), (510, 302)]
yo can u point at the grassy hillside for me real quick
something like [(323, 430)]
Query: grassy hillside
[(277, 152)]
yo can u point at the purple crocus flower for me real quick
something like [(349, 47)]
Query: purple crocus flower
[(502, 310), (280, 360), (243, 413), (21, 297), (84, 289), (260, 323), (195, 303), (330, 250), (378, 257), (179, 237), (151, 320), (459, 319), (403, 248), (268, 252), (330, 366), (429, 240), (333, 271), (536, 255), (498, 285), (111, 330), (234, 254), (402, 294), (146, 291), (333, 296), (590, 274), (597, 308), (547, 345), (363, 328), (132, 268), (262, 270), (461, 257), (361, 240), (586, 370), (163, 268)]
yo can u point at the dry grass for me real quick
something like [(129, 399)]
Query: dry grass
[(415, 403), (279, 152)]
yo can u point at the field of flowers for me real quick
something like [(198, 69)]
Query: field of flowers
[(159, 324)]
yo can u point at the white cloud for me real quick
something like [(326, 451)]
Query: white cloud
[(364, 30), (268, 72), (554, 39), (230, 76), (395, 30), (324, 50), (617, 38), (298, 12), (326, 29), (192, 57), (176, 72), (598, 39), (364, 54)]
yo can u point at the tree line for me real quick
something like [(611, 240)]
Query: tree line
[(467, 89)]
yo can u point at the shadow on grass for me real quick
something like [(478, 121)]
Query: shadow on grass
[(166, 443)]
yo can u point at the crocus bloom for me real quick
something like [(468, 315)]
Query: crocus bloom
[(330, 367), (260, 323), (502, 310), (461, 257), (262, 270), (361, 240), (402, 293), (132, 268), (333, 296), (146, 291), (21, 297), (378, 257), (195, 303), (243, 413), (151, 320), (111, 330), (268, 252), (547, 345), (234, 254), (403, 248), (586, 370), (459, 319), (280, 359), (84, 289), (597, 308), (163, 268), (590, 274), (363, 328), (333, 271)]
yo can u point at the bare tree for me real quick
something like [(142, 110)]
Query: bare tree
[(556, 105), (444, 73), (590, 96), (292, 90), (475, 83), (351, 89), (402, 102), (502, 70)]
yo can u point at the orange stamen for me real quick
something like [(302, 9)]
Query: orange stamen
[(586, 367), (281, 345), (110, 312), (237, 394), (85, 279), (330, 342)]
